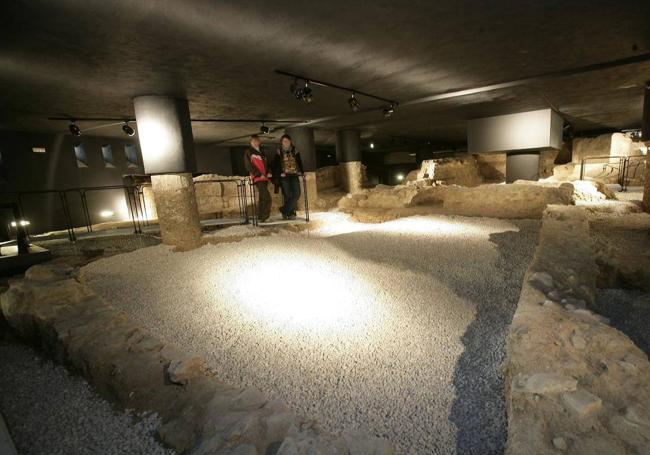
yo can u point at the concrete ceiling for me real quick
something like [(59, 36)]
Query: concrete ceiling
[(89, 58)]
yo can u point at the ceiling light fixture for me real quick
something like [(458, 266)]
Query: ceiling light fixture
[(74, 129), (307, 95), (127, 129), (264, 129), (372, 145), (388, 110), (354, 103)]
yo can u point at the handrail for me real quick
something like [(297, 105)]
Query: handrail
[(134, 195), (623, 167)]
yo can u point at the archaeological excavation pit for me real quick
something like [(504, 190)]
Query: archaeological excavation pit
[(395, 329), (326, 228)]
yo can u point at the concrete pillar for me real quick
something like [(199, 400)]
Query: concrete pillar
[(348, 143), (522, 166), (165, 133), (645, 137), (303, 140)]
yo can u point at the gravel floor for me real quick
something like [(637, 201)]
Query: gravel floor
[(396, 329), (50, 412), (628, 311)]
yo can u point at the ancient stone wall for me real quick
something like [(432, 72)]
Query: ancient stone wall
[(328, 177), (605, 169), (492, 167), (525, 200), (125, 363), (506, 201), (574, 384)]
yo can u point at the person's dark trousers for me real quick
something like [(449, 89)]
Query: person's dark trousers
[(264, 198), (291, 192)]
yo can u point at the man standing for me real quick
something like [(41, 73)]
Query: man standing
[(257, 167), (288, 166)]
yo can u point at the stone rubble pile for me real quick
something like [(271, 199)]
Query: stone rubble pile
[(575, 384), (200, 414)]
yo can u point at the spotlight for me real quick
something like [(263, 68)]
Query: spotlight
[(354, 103), (106, 213), (127, 129), (372, 145), (74, 129), (306, 94), (264, 129), (388, 111)]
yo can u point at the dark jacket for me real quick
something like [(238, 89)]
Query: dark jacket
[(256, 164), (281, 159)]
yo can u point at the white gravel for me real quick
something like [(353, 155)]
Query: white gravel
[(49, 412), (396, 329)]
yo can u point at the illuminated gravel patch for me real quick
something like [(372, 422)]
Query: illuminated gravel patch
[(396, 329)]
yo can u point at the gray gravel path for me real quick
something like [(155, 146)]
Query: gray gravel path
[(50, 412), (396, 329)]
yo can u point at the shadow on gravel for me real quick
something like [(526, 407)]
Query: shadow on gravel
[(479, 408), (478, 411)]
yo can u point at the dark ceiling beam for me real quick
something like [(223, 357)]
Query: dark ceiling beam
[(530, 79), (198, 120)]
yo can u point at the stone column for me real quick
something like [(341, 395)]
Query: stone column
[(303, 139), (645, 137), (178, 213), (349, 143), (166, 141)]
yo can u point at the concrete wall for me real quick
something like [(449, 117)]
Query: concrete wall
[(25, 170)]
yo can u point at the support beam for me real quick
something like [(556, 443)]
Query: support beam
[(645, 137), (348, 143), (167, 145)]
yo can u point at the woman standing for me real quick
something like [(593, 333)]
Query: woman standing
[(287, 165)]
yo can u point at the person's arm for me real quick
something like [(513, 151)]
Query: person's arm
[(248, 164)]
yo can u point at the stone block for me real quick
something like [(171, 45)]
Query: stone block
[(582, 403)]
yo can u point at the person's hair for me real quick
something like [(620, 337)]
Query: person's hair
[(286, 136), (254, 136)]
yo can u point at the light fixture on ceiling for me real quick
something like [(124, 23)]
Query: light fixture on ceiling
[(372, 145), (74, 129), (307, 95), (354, 103), (302, 93), (264, 129), (388, 110), (127, 129)]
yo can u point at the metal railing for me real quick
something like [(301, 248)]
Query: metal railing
[(622, 167), (135, 199)]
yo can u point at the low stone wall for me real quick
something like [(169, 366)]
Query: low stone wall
[(495, 200), (506, 201), (200, 414), (574, 384)]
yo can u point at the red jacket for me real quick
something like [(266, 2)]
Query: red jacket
[(256, 165)]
